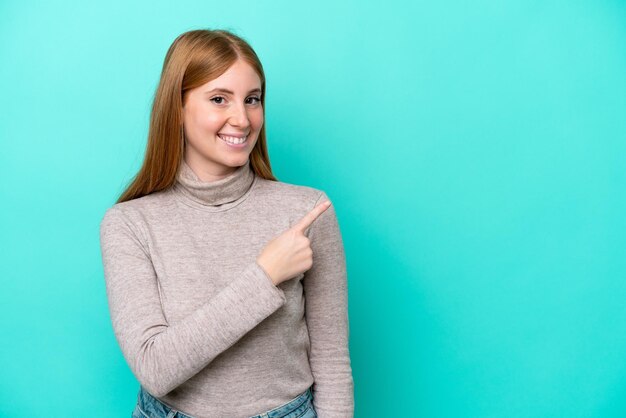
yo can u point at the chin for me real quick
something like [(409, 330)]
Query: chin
[(237, 162)]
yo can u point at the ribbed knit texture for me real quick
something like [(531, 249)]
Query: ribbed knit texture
[(200, 323)]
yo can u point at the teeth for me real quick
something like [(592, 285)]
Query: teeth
[(233, 140)]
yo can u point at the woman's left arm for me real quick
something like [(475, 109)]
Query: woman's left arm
[(326, 309)]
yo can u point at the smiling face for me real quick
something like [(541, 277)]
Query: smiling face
[(217, 117)]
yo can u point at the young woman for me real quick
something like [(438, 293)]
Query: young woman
[(227, 289)]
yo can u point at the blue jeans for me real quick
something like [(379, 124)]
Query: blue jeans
[(150, 407)]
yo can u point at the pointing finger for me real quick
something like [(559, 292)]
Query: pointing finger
[(308, 219)]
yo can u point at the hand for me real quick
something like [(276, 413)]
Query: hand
[(290, 254)]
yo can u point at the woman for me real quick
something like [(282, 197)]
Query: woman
[(208, 258)]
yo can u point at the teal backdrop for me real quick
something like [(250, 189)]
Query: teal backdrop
[(475, 153)]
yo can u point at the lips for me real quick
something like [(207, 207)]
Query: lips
[(232, 135)]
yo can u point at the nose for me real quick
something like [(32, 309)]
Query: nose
[(239, 116)]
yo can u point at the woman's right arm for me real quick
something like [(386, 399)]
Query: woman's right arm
[(160, 355)]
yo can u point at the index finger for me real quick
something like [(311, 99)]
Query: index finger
[(308, 219)]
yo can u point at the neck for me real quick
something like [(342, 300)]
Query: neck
[(208, 173), (225, 189)]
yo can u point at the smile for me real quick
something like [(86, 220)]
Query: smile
[(233, 140)]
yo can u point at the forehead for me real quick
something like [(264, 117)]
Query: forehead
[(240, 76)]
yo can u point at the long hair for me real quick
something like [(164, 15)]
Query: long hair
[(194, 58)]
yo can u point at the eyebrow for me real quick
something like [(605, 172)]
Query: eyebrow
[(221, 90)]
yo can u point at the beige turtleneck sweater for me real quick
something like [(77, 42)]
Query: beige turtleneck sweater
[(201, 325)]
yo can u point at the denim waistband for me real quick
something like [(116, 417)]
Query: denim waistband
[(151, 407)]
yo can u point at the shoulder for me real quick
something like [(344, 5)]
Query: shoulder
[(297, 201), (298, 197), (131, 213)]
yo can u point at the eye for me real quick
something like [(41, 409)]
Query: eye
[(217, 99), (255, 99)]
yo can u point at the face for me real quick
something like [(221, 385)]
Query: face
[(217, 117)]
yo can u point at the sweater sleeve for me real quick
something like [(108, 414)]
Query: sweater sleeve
[(163, 356), (326, 310)]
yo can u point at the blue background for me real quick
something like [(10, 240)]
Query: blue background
[(474, 151)]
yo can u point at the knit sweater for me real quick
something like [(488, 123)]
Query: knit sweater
[(201, 325)]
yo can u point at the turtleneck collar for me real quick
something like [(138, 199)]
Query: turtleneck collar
[(214, 193)]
